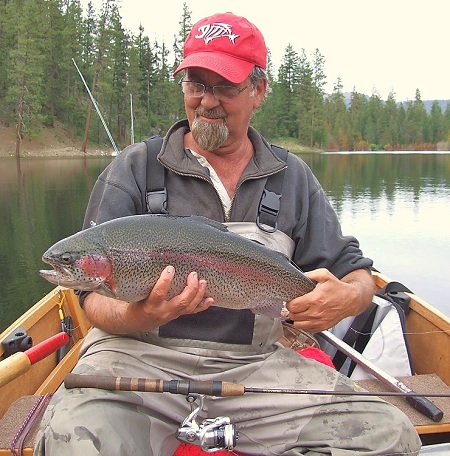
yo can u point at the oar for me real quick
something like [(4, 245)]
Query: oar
[(420, 403), (20, 362), (213, 388)]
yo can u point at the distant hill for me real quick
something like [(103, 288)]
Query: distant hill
[(427, 103)]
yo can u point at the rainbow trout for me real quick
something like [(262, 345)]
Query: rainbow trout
[(124, 257)]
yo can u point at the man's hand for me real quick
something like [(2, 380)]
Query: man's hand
[(119, 317), (331, 300), (190, 301)]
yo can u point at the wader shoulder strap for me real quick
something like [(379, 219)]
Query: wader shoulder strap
[(269, 205), (156, 190)]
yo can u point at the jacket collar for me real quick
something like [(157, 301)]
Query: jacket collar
[(175, 157)]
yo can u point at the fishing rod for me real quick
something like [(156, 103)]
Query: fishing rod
[(216, 433), (216, 388), (96, 108), (132, 119)]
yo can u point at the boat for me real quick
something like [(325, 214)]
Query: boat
[(427, 329)]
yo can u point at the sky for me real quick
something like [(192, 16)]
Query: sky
[(383, 46)]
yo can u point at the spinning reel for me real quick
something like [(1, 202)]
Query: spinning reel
[(211, 434)]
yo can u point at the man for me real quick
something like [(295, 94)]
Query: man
[(217, 166)]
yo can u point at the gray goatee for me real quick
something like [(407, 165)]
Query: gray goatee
[(209, 136)]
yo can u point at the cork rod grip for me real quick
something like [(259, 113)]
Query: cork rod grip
[(185, 387)]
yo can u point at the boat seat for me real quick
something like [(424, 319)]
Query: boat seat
[(420, 384)]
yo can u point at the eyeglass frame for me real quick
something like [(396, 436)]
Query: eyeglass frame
[(205, 87)]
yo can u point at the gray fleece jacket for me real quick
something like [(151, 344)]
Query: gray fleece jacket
[(306, 215)]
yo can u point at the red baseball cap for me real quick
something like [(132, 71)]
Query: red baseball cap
[(227, 44)]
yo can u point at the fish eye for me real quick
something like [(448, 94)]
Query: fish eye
[(68, 258)]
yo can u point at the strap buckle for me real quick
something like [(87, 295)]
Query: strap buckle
[(269, 207), (157, 201)]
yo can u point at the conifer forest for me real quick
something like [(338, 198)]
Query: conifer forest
[(47, 47)]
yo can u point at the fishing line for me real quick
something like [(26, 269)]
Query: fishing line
[(444, 331)]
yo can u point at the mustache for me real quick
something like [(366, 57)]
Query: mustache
[(211, 113)]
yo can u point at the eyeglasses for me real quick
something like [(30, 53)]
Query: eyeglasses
[(221, 92)]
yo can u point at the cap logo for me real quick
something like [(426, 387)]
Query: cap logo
[(210, 32)]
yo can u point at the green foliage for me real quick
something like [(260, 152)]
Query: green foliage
[(39, 85)]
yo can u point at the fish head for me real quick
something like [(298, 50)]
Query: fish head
[(78, 264)]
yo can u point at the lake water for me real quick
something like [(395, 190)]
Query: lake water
[(397, 205)]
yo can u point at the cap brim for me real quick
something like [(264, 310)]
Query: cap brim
[(230, 68)]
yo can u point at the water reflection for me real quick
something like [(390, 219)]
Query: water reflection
[(398, 206), (42, 201), (379, 176)]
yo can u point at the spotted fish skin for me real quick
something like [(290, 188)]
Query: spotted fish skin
[(124, 257)]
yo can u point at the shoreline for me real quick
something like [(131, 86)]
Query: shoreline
[(51, 142), (57, 152)]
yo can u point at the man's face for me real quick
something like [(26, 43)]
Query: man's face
[(219, 119)]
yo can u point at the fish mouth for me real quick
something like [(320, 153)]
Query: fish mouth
[(62, 276)]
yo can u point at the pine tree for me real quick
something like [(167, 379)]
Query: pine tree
[(356, 109), (305, 100), (336, 123), (319, 79), (288, 85), (185, 24), (437, 124), (70, 107), (100, 49), (118, 74), (447, 125), (389, 123), (416, 128), (373, 129), (26, 72)]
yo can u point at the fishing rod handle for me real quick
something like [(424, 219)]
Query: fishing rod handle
[(420, 403), (185, 387), (426, 407), (17, 364), (13, 366), (47, 347)]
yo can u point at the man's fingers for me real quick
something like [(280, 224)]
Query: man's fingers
[(192, 298), (162, 285), (203, 303)]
